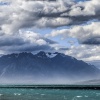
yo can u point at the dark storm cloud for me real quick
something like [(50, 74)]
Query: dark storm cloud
[(11, 41), (63, 49), (75, 19), (92, 41), (31, 48), (30, 42)]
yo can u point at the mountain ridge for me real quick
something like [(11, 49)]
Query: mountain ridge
[(45, 66)]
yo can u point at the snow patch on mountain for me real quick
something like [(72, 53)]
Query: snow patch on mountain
[(51, 55), (17, 55)]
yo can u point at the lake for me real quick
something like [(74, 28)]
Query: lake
[(9, 93)]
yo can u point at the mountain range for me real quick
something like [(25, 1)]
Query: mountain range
[(44, 68)]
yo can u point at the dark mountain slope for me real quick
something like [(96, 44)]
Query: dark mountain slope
[(45, 66)]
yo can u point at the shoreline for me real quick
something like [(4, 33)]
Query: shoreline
[(71, 87)]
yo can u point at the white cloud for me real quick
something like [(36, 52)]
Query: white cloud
[(33, 38), (29, 14), (88, 37), (23, 14), (84, 52), (87, 34), (26, 14)]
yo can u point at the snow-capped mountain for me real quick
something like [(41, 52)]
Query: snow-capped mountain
[(45, 67)]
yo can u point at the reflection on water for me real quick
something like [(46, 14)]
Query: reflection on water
[(48, 94)]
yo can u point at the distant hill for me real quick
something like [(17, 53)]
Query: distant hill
[(44, 68), (90, 82), (95, 63)]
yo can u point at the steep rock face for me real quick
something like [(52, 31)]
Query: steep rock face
[(46, 65)]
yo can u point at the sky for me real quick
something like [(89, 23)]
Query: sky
[(68, 26)]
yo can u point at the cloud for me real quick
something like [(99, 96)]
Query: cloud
[(29, 42), (24, 14), (86, 34), (84, 52), (10, 41), (92, 41), (37, 14), (28, 14)]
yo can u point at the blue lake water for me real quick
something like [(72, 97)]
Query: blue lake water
[(48, 94)]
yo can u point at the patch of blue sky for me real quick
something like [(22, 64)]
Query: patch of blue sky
[(44, 31), (80, 0), (4, 3), (70, 41), (67, 42)]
